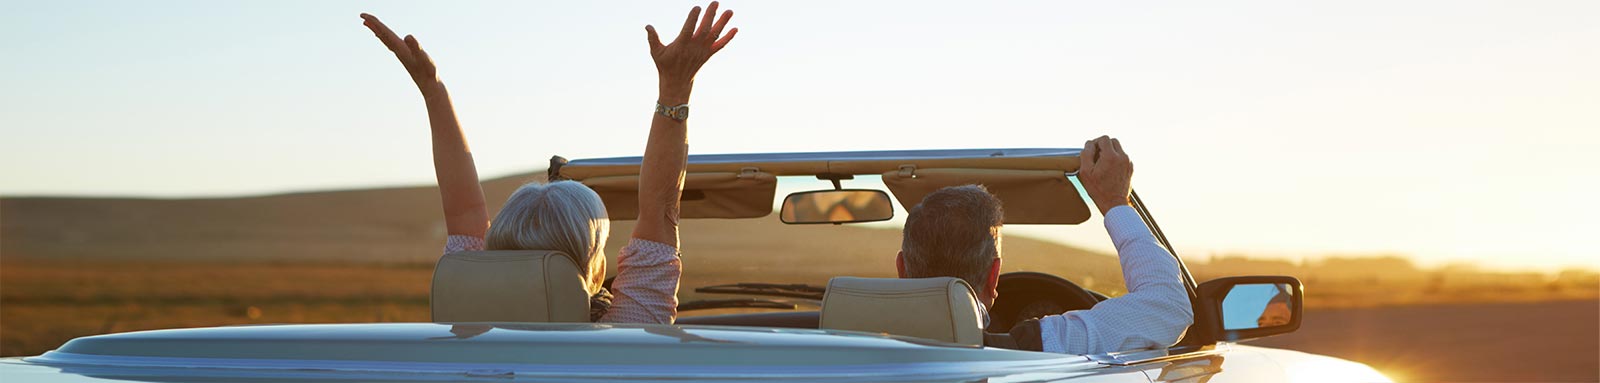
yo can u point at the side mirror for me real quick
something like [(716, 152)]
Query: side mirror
[(1241, 308), (837, 206)]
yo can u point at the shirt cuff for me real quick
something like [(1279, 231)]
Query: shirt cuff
[(1049, 336), (459, 243), (644, 251), (1123, 223)]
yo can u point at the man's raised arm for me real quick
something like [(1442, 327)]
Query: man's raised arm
[(1156, 310)]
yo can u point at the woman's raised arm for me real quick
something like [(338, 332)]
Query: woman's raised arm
[(464, 210), (667, 150)]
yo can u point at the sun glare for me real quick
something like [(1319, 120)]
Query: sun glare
[(1333, 371)]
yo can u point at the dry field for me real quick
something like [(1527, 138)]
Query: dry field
[(43, 304), (76, 267), (1556, 341), (71, 267), (46, 302)]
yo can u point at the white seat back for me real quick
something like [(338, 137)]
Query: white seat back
[(508, 286), (943, 309)]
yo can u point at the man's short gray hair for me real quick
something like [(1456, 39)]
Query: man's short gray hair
[(562, 215), (953, 232)]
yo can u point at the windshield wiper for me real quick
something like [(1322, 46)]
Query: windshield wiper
[(736, 303), (797, 290)]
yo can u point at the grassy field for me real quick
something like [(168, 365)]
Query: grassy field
[(73, 267), (80, 266), (43, 304)]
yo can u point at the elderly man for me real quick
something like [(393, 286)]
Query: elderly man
[(955, 232)]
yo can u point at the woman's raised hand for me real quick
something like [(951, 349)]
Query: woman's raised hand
[(416, 61), (678, 61), (465, 212)]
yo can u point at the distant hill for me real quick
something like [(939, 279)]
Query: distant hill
[(386, 225), (403, 225)]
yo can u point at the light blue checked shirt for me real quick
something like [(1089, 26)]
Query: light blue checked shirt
[(1154, 313)]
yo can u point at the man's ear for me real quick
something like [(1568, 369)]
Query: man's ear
[(900, 263), (992, 285)]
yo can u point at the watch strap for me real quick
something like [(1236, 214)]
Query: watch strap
[(680, 112)]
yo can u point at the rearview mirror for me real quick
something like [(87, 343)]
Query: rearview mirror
[(837, 206), (1240, 308)]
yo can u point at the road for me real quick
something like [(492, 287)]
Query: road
[(1507, 342)]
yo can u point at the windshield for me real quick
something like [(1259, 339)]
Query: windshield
[(764, 250)]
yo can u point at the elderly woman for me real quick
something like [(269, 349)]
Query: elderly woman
[(566, 215)]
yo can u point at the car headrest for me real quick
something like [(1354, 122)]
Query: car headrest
[(508, 286), (943, 309)]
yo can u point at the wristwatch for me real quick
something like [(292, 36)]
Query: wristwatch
[(680, 112)]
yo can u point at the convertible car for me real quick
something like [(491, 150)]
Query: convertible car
[(520, 315)]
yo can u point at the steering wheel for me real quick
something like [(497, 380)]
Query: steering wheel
[(1027, 295)]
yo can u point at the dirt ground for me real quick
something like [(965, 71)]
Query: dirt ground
[(1493, 342)]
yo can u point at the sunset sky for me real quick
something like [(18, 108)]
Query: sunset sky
[(1450, 130)]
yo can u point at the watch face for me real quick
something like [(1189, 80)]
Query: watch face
[(675, 112)]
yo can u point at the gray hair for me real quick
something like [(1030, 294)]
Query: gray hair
[(953, 232), (562, 215)]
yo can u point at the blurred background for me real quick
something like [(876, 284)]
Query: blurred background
[(1419, 165)]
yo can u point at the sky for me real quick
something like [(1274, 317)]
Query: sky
[(1243, 305), (1449, 130)]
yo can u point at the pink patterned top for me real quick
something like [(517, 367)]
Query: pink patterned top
[(646, 288)]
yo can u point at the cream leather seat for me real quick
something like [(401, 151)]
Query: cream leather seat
[(943, 309), (508, 286)]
